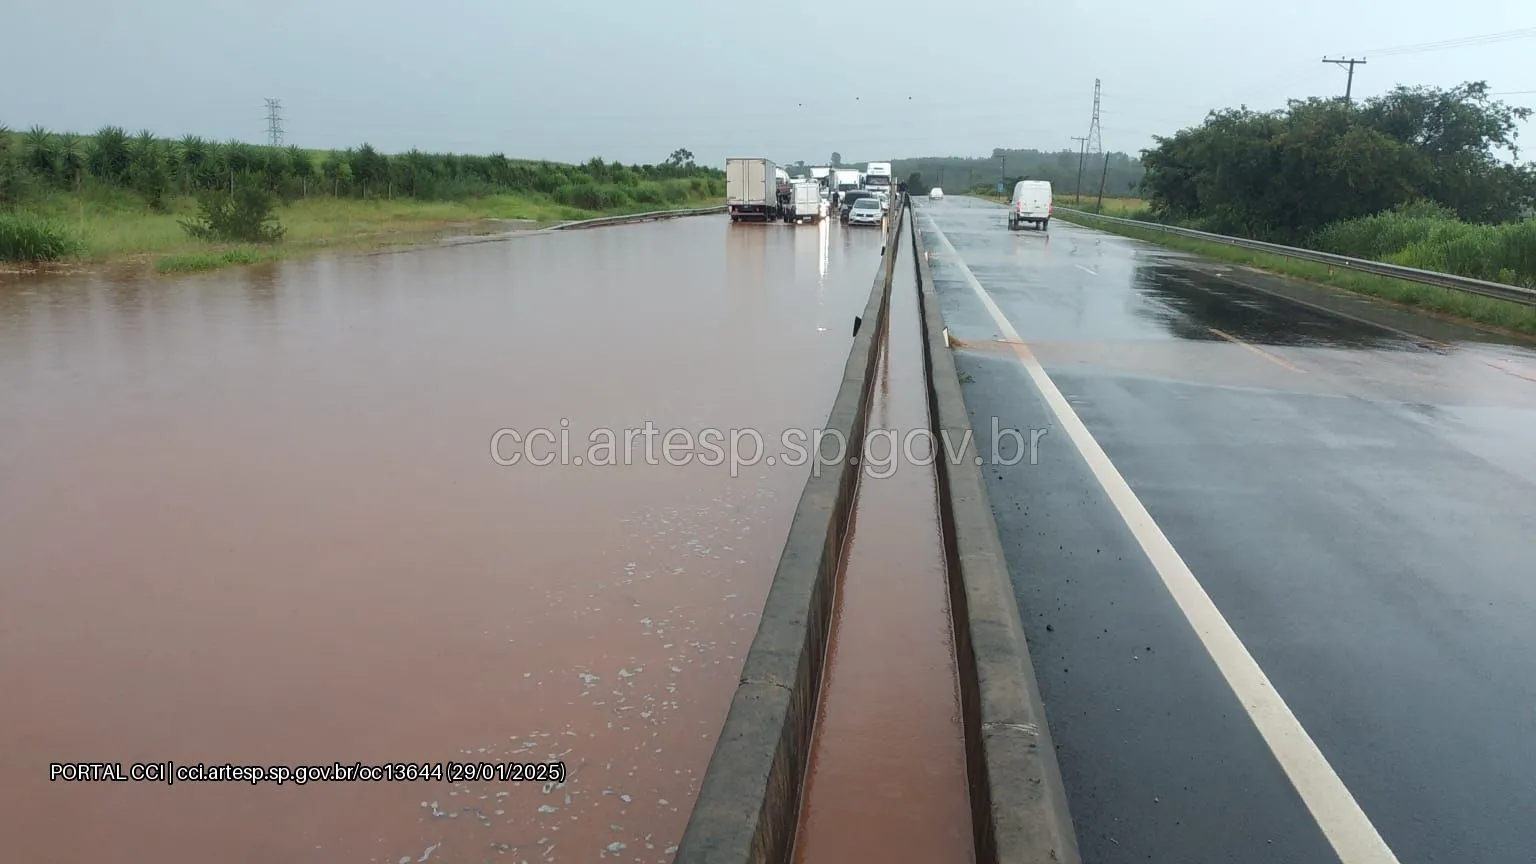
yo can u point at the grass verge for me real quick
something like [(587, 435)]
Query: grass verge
[(109, 225), (193, 262), (1126, 208), (1443, 301)]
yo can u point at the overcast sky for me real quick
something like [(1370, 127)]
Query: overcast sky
[(795, 79)]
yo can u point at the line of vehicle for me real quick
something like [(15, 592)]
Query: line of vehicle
[(1346, 826)]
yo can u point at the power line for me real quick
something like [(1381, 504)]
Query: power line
[(274, 122), (1461, 42)]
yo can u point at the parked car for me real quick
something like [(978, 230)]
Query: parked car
[(851, 197), (1031, 203), (866, 211), (935, 194)]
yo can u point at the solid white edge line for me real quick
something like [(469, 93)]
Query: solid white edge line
[(1345, 825)]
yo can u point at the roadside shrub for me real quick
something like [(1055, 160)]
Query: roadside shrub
[(26, 237), (1518, 250), (246, 215), (1413, 237), (592, 196), (649, 193)]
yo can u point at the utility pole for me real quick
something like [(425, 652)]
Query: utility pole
[(1083, 152), (1349, 84), (1099, 208), (274, 123)]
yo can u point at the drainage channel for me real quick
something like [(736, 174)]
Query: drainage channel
[(886, 779)]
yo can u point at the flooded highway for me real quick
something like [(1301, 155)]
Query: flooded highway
[(887, 774), (1350, 487), (265, 517)]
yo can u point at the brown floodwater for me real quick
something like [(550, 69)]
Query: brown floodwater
[(887, 776), (253, 518)]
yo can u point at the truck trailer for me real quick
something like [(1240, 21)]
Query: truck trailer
[(752, 189)]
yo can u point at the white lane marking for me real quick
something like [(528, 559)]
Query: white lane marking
[(1090, 271), (1353, 837)]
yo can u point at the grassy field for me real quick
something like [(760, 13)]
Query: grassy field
[(1128, 208), (1125, 208), (1454, 304), (110, 225)]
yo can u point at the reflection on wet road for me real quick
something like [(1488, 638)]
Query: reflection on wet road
[(1351, 485), (254, 518)]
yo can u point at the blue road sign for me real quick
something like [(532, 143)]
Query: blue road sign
[(999, 188)]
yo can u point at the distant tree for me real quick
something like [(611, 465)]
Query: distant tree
[(915, 183), (303, 168), (837, 159), (74, 158), (109, 154), (681, 158), (147, 169)]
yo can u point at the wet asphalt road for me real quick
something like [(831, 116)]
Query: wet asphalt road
[(1358, 499)]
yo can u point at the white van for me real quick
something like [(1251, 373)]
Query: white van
[(1031, 203)]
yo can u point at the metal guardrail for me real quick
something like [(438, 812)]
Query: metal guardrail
[(637, 217), (1497, 290)]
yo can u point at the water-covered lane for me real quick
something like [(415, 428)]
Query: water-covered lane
[(254, 518), (886, 780)]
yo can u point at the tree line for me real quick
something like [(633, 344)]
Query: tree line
[(1285, 174), (39, 160), (1067, 170)]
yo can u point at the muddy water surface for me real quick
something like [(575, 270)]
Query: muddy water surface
[(887, 776), (253, 518)]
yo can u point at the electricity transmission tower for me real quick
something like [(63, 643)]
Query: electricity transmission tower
[(1349, 84), (1095, 143), (275, 122)]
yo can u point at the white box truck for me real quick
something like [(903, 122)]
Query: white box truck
[(844, 180), (805, 202), (751, 189), (877, 175)]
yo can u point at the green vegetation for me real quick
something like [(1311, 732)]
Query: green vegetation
[(1429, 237), (1413, 177), (1125, 208), (1285, 174), (192, 262), (29, 237), (244, 214), (1456, 304), (111, 194)]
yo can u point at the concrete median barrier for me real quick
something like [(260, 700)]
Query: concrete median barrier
[(1018, 804), (749, 800)]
